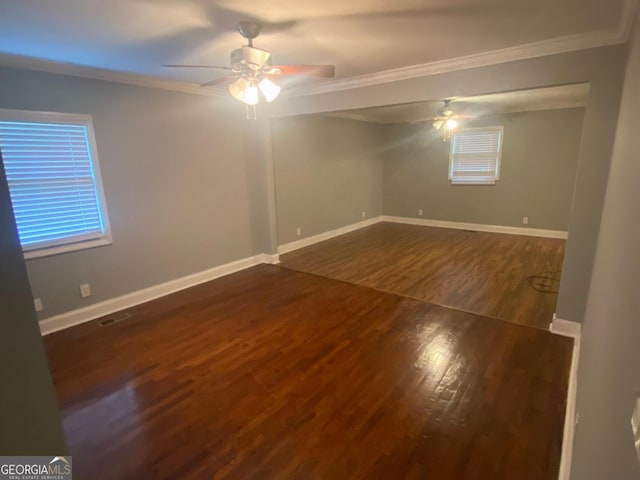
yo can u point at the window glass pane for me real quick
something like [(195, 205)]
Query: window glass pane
[(52, 183), (475, 155)]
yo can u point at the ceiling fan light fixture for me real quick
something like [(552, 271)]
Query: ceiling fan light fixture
[(251, 94), (251, 68), (244, 90), (451, 124), (269, 89), (237, 88)]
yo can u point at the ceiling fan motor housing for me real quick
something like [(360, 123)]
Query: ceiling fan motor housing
[(254, 58), (249, 29)]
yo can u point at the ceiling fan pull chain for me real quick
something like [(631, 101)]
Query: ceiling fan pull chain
[(251, 112)]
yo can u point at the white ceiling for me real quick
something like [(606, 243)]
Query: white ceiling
[(567, 96), (358, 36)]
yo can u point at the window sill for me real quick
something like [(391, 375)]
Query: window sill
[(474, 183), (45, 252)]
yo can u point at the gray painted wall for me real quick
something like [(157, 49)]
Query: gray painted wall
[(29, 417), (175, 180), (135, 130), (610, 355), (538, 169), (327, 172), (602, 67)]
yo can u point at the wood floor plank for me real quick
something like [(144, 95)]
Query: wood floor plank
[(274, 374), (478, 272)]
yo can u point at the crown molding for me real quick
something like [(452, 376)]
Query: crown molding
[(569, 43), (62, 68), (522, 52)]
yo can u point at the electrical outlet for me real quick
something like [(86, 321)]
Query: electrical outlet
[(525, 220), (85, 290), (420, 211), (364, 214), (299, 231), (38, 304)]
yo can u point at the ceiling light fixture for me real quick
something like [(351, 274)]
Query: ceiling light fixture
[(445, 123), (251, 71), (237, 88), (246, 90), (269, 89), (446, 128), (251, 96)]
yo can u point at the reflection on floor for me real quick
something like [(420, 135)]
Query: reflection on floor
[(483, 273), (271, 374)]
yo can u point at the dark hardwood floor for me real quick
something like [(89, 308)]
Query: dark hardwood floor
[(274, 374), (479, 272)]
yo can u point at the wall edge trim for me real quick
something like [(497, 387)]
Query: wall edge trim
[(320, 237), (478, 227), (574, 330)]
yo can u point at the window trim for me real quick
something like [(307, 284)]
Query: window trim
[(499, 128), (56, 247)]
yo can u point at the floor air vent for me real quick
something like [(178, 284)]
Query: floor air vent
[(118, 317)]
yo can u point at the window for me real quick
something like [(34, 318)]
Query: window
[(475, 156), (51, 165)]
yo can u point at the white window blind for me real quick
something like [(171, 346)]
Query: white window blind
[(53, 180), (475, 156)]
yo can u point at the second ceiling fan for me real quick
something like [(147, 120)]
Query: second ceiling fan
[(448, 119), (252, 73)]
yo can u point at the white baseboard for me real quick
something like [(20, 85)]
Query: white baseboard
[(270, 259), (97, 310), (565, 327), (569, 329), (478, 227), (305, 242)]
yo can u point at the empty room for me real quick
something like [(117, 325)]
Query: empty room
[(275, 240), (474, 196)]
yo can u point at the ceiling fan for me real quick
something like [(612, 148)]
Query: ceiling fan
[(447, 120), (252, 72)]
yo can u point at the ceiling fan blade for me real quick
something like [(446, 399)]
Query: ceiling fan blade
[(219, 67), (217, 81), (325, 71)]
